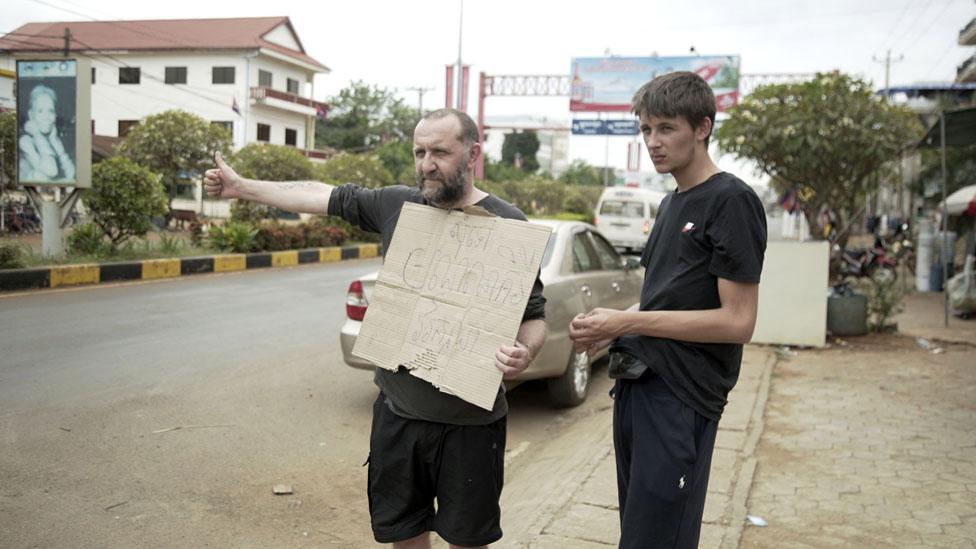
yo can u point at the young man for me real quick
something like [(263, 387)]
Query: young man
[(676, 354), (425, 445)]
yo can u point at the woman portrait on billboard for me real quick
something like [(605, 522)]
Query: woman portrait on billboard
[(42, 153)]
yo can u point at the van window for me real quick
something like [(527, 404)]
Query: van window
[(622, 208)]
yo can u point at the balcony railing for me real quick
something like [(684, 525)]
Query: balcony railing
[(262, 92), (967, 71), (967, 36)]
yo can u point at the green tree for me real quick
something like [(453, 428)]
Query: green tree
[(123, 198), (271, 163), (397, 158), (519, 149), (8, 140), (364, 169), (268, 163), (831, 139), (363, 117), (175, 144), (581, 173)]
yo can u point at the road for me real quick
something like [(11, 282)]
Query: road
[(162, 414)]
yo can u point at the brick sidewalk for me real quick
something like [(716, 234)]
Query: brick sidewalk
[(871, 444), (588, 517)]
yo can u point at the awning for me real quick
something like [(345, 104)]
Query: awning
[(960, 130), (962, 202)]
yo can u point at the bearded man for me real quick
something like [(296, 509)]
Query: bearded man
[(425, 445)]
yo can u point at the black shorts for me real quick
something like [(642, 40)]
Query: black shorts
[(412, 463), (663, 449)]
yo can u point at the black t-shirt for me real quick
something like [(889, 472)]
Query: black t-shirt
[(716, 229), (377, 210)]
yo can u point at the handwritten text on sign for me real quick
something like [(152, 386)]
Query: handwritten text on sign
[(452, 290)]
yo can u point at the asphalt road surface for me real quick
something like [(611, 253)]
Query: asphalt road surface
[(162, 414)]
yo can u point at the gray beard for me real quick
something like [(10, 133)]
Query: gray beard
[(450, 192)]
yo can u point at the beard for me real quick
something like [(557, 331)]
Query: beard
[(451, 189)]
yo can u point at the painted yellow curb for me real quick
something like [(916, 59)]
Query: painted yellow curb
[(284, 259), (368, 250), (227, 263), (328, 255), (71, 275), (160, 268)]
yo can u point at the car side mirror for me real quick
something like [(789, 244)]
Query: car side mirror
[(630, 263)]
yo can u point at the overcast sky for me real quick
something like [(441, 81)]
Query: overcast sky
[(405, 44)]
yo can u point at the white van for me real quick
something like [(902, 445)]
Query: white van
[(625, 215)]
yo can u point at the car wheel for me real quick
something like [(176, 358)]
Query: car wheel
[(570, 388)]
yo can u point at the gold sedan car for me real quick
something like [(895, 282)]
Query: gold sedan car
[(580, 271)]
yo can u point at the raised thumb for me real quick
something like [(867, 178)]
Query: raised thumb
[(219, 160)]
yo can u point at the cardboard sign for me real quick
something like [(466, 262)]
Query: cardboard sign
[(452, 290)]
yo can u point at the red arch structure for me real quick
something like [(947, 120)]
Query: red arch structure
[(538, 85)]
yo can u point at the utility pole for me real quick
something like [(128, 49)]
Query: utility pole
[(887, 63), (420, 98), (460, 67)]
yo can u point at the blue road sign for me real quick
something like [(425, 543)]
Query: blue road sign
[(622, 127), (589, 126)]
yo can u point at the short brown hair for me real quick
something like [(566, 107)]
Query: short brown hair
[(469, 129), (674, 94)]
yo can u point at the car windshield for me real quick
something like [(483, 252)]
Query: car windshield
[(622, 208)]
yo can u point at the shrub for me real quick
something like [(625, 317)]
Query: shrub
[(123, 199), (87, 239), (171, 245), (233, 237), (11, 255), (274, 236), (885, 300), (318, 235), (245, 211)]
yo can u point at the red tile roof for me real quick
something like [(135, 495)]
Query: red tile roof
[(163, 34)]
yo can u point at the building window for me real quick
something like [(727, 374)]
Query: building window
[(291, 137), (264, 78), (223, 75), (93, 126), (293, 86), (129, 75), (125, 126), (226, 124), (176, 75), (93, 76), (264, 133)]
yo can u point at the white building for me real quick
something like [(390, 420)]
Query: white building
[(251, 75)]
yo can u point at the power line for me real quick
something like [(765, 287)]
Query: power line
[(904, 10), (924, 32)]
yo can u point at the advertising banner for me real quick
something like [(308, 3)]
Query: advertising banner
[(607, 84), (53, 122)]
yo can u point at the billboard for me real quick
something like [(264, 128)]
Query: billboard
[(53, 122), (607, 84)]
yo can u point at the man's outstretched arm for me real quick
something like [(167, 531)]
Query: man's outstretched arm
[(294, 196)]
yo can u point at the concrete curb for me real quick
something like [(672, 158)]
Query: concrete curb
[(57, 276), (747, 467)]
